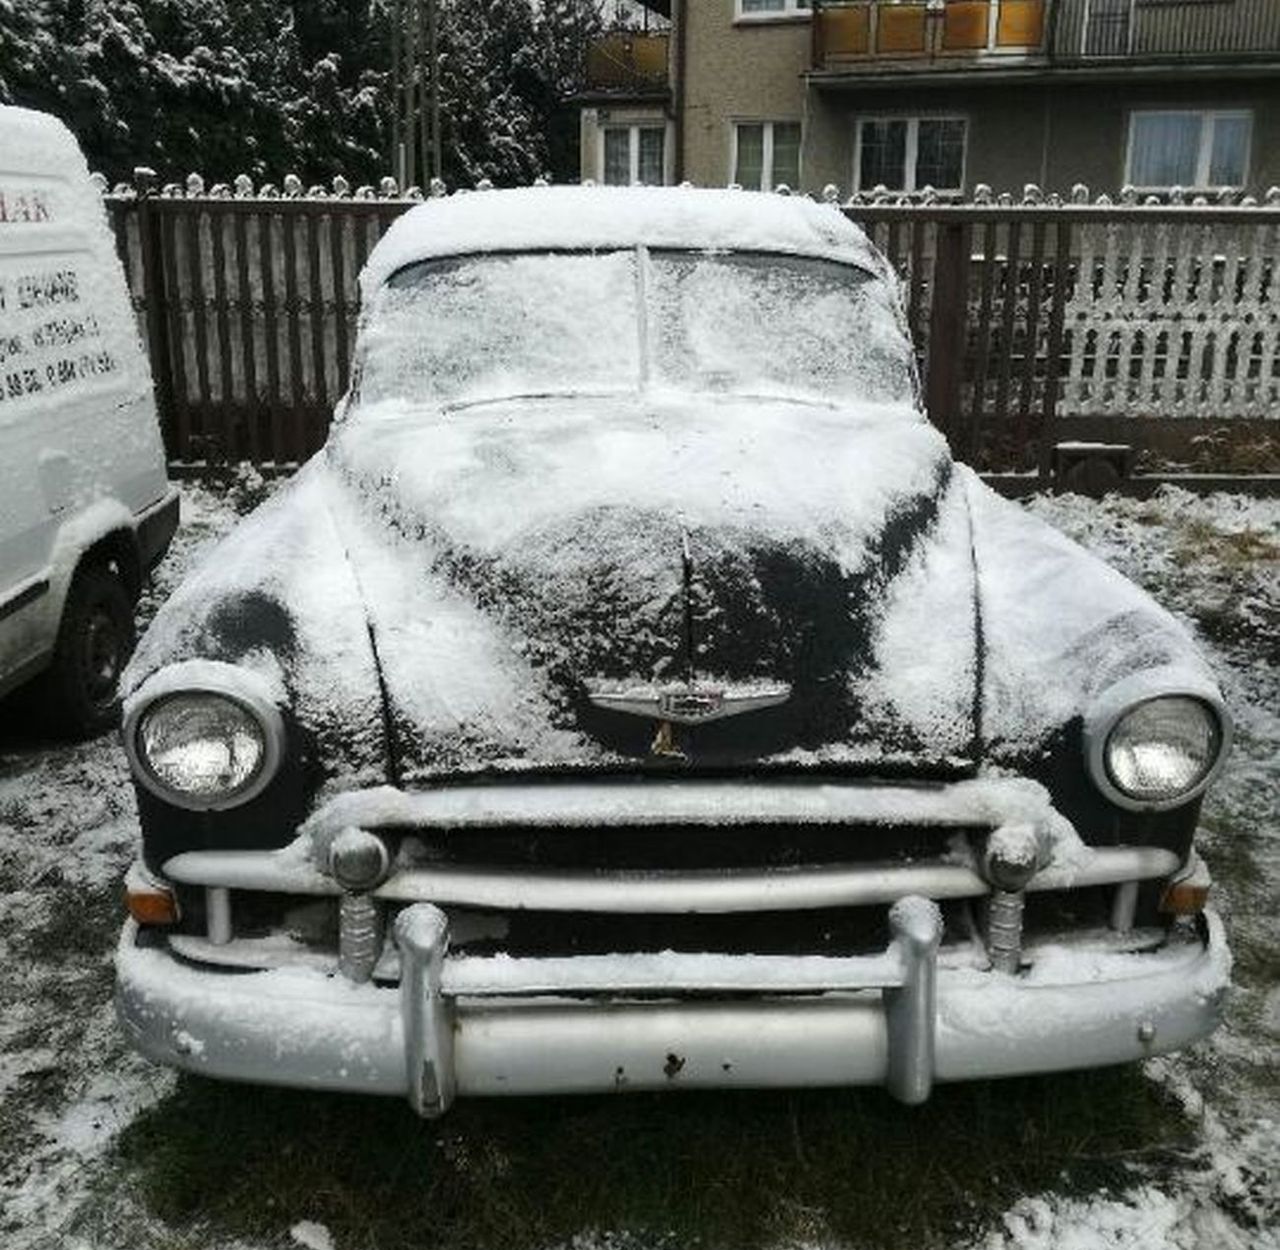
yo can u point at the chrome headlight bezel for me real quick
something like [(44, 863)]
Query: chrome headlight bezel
[(251, 695), (1126, 697)]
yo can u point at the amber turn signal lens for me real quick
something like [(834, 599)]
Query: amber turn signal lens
[(154, 907), (1185, 898)]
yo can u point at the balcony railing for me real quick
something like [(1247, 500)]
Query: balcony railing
[(863, 36), (859, 31), (627, 61), (1141, 30)]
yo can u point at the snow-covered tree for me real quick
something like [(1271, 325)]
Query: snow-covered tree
[(269, 86)]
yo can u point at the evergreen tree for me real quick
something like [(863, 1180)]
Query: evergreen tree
[(266, 87)]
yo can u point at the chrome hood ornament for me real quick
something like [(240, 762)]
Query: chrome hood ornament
[(689, 703)]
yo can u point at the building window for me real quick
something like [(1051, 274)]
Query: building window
[(635, 156), (1188, 148), (766, 155), (911, 153), (772, 8)]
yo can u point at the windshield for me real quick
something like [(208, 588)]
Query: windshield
[(473, 328)]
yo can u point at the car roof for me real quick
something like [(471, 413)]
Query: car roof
[(590, 218)]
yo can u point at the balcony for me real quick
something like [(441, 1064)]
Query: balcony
[(905, 35), (628, 63), (1139, 31), (859, 40)]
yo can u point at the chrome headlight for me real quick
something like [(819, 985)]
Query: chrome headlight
[(1158, 752), (204, 746)]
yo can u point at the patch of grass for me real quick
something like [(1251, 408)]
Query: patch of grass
[(1198, 540), (76, 922), (1232, 448), (712, 1170)]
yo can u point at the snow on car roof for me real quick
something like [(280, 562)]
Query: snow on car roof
[(549, 218)]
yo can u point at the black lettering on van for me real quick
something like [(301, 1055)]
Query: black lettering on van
[(41, 290), (23, 382), (64, 331)]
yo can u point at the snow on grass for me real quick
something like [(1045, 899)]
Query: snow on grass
[(1215, 562), (68, 1083)]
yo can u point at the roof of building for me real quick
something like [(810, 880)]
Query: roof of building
[(589, 218)]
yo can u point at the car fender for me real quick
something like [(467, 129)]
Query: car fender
[(76, 535), (81, 532)]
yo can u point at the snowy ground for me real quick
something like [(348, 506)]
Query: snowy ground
[(68, 1087)]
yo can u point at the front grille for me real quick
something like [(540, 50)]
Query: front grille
[(676, 847), (835, 931), (746, 880)]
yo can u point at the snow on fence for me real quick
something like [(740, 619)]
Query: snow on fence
[(1033, 319)]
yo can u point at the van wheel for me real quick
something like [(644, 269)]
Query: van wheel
[(95, 641)]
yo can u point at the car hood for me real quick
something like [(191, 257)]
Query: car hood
[(521, 560)]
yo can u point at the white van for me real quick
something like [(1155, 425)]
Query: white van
[(85, 506)]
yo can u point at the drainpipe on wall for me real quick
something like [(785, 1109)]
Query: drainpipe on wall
[(1046, 132), (1051, 50), (681, 36)]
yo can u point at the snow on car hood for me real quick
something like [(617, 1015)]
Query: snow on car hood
[(508, 558), (516, 557)]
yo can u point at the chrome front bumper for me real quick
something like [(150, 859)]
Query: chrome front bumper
[(472, 1026)]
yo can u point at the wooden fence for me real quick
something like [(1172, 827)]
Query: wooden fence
[(1033, 321)]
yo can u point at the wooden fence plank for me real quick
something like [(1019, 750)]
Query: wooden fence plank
[(176, 338), (1031, 343), (271, 319), (316, 313), (1053, 348), (199, 319), (337, 248), (982, 346), (222, 324), (915, 299), (297, 397), (1008, 314), (151, 246), (948, 323), (248, 340)]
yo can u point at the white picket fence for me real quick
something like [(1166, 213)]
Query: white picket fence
[(1174, 319)]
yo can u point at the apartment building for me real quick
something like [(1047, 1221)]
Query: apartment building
[(947, 94)]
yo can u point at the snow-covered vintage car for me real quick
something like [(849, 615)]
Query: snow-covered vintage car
[(634, 694)]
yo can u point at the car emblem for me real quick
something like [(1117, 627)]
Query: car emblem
[(691, 703)]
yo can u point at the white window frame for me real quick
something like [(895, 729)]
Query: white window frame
[(790, 11), (909, 159), (766, 165), (633, 148), (1204, 155)]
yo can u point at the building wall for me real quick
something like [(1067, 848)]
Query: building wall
[(1088, 138), (1054, 134), (738, 71)]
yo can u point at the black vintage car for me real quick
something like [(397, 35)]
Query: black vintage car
[(633, 693)]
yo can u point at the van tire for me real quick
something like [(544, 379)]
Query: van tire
[(95, 640)]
